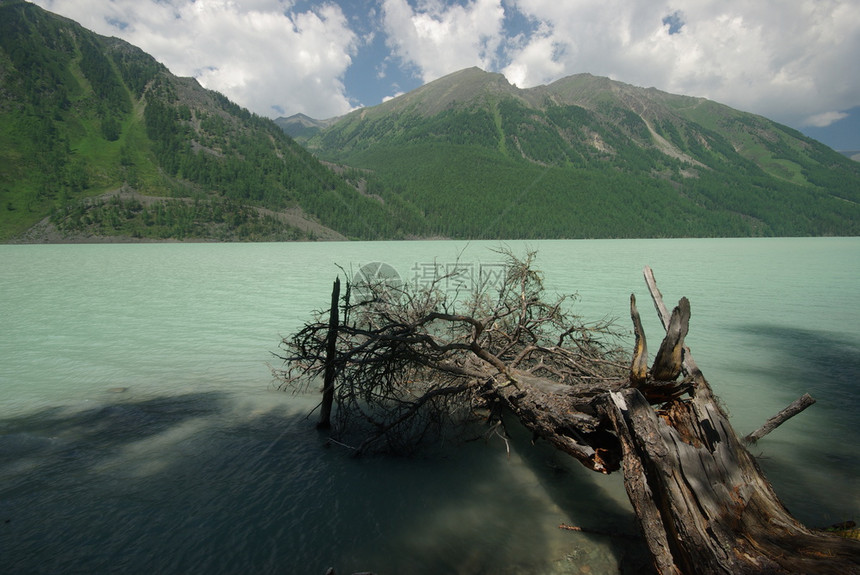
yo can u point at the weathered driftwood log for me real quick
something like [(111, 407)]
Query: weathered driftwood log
[(639, 365), (703, 505), (667, 364), (796, 407), (566, 417), (659, 384)]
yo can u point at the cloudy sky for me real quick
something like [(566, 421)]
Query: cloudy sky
[(794, 61)]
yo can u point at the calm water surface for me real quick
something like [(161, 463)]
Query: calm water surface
[(139, 431)]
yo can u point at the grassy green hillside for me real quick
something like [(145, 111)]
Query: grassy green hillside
[(101, 139), (97, 139), (590, 157)]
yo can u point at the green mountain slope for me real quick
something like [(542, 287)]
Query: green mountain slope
[(98, 139), (586, 156), (101, 139)]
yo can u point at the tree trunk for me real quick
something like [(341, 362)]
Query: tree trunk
[(566, 416), (331, 354), (702, 503)]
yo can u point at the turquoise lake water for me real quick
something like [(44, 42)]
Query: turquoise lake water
[(140, 431)]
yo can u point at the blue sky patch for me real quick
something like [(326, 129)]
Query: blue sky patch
[(675, 21)]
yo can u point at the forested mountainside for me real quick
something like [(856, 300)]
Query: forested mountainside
[(103, 140), (98, 139), (589, 157)]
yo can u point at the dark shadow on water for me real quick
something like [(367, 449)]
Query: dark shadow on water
[(816, 361), (119, 422), (581, 495), (814, 473), (200, 483)]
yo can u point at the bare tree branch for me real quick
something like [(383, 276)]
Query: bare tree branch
[(408, 360)]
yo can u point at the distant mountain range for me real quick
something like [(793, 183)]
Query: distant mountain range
[(586, 156), (99, 141), (302, 126)]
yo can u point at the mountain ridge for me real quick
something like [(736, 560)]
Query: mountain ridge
[(98, 139), (693, 166), (84, 118)]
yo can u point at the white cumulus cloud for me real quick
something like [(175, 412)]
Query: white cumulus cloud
[(438, 38), (790, 61), (260, 53), (786, 60), (824, 119)]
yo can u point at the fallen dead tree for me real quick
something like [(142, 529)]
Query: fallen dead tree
[(407, 363)]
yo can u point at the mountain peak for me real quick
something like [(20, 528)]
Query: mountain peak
[(612, 160), (302, 125), (464, 86), (466, 156)]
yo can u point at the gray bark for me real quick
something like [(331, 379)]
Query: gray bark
[(796, 407)]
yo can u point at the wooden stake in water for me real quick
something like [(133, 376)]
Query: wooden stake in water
[(331, 351)]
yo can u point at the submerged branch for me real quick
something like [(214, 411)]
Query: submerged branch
[(784, 415)]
